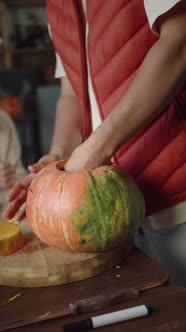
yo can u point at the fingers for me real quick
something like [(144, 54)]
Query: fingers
[(21, 215), (15, 205), (15, 191), (17, 197), (44, 161), (35, 168), (19, 186)]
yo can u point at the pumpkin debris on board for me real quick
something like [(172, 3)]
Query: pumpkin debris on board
[(11, 238), (92, 210)]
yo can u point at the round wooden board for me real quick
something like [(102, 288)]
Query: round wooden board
[(38, 265)]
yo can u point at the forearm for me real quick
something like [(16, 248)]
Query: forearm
[(67, 131), (157, 80)]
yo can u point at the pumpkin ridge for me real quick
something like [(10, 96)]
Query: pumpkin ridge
[(123, 190), (96, 195), (36, 180), (136, 196), (35, 225), (61, 224), (101, 203)]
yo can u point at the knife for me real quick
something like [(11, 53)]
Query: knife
[(100, 301)]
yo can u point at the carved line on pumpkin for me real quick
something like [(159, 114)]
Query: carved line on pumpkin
[(38, 175), (41, 173), (62, 224)]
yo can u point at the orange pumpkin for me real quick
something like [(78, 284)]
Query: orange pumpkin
[(90, 210), (12, 105)]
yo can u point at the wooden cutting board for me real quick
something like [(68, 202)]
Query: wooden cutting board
[(38, 265)]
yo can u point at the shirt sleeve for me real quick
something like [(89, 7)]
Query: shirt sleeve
[(155, 8), (59, 69)]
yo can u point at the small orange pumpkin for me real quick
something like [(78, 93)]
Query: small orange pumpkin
[(90, 210)]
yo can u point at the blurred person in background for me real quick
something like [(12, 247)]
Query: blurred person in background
[(11, 168)]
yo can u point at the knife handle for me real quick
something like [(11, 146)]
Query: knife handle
[(101, 301)]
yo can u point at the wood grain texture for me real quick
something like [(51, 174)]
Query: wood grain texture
[(38, 265), (90, 304), (137, 271), (168, 316)]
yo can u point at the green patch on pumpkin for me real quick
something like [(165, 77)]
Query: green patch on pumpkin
[(103, 219)]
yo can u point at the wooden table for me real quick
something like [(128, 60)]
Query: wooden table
[(137, 271), (169, 313)]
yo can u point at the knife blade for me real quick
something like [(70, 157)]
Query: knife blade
[(100, 301)]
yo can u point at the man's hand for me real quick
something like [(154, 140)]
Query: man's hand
[(45, 160), (17, 198), (86, 156), (7, 175), (18, 194)]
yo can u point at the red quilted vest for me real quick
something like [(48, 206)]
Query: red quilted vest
[(119, 39)]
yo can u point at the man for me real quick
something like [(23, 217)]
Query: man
[(132, 79)]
